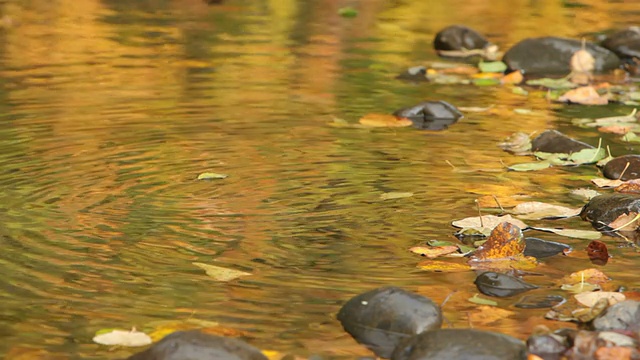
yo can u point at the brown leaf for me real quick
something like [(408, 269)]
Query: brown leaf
[(514, 77), (598, 253), (433, 251), (384, 120), (625, 222), (593, 276), (614, 353), (442, 266), (615, 129), (590, 298), (629, 187), (602, 183), (585, 95)]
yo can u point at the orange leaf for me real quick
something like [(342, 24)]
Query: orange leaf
[(614, 353), (434, 251), (514, 77), (505, 241), (442, 266), (629, 187), (615, 129), (585, 95), (593, 276), (384, 120), (625, 222)]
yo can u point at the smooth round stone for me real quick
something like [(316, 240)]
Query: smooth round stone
[(616, 167), (552, 56), (459, 37), (624, 315), (460, 344), (602, 210), (501, 285), (381, 318), (625, 43), (553, 141)]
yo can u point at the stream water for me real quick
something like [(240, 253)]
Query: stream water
[(110, 109)]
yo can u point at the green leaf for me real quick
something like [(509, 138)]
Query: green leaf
[(532, 166), (481, 301), (492, 66), (562, 83), (577, 234), (348, 12), (519, 91), (220, 273), (440, 243), (486, 82), (631, 137), (211, 176), (395, 195), (588, 156)]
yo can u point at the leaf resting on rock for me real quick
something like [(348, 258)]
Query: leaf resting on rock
[(504, 249)]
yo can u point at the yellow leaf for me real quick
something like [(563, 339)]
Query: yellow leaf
[(433, 251), (442, 266), (220, 273)]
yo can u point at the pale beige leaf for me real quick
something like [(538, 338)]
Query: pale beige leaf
[(220, 273), (605, 183), (487, 222), (540, 210), (123, 338), (590, 298)]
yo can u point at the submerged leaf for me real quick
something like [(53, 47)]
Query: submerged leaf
[(532, 166), (131, 338), (211, 176), (442, 266), (481, 301), (540, 210), (395, 195), (516, 143), (433, 252), (220, 273)]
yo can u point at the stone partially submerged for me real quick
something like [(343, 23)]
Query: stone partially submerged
[(431, 115), (602, 210), (552, 56), (553, 141), (459, 37), (625, 43), (626, 167), (381, 318)]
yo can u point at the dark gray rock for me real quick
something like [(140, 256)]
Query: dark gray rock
[(459, 37), (195, 345), (501, 285), (416, 73), (548, 347), (624, 315), (552, 56), (553, 141), (540, 248), (625, 43), (604, 209), (540, 301), (460, 344), (381, 318), (431, 115), (617, 168)]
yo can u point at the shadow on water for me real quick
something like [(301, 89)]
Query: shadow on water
[(111, 109)]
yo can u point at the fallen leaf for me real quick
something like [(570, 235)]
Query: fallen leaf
[(503, 250), (579, 234), (540, 210), (590, 298), (587, 156), (582, 61), (598, 253), (433, 251), (614, 353), (561, 83), (211, 176), (531, 166), (442, 266), (514, 77), (591, 275), (487, 222), (585, 95), (220, 273), (631, 137), (517, 143), (492, 67), (584, 193), (625, 222), (395, 195), (482, 301), (579, 288), (605, 183), (616, 129), (629, 187), (130, 338), (348, 12), (616, 120), (384, 120)]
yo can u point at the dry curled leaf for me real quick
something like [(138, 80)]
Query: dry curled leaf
[(504, 249), (590, 298), (629, 187), (598, 253)]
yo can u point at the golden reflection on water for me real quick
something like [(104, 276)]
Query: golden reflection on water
[(111, 109)]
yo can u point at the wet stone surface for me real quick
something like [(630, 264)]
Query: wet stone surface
[(459, 37), (431, 115), (604, 209), (625, 43), (553, 141), (501, 285), (624, 167)]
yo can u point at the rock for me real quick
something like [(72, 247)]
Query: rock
[(540, 248), (602, 210), (460, 344), (501, 285), (552, 56), (624, 315), (459, 37), (617, 168), (381, 318), (625, 43), (547, 346), (431, 115), (416, 73), (195, 345), (540, 301), (553, 141)]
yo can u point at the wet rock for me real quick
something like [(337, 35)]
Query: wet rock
[(604, 209), (431, 115), (460, 344), (624, 315), (548, 347), (539, 248), (416, 73), (459, 37), (625, 43), (552, 56), (617, 168), (186, 345), (539, 301), (501, 285), (381, 318), (553, 141)]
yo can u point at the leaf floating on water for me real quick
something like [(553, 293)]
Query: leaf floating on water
[(384, 120), (433, 252), (572, 233), (591, 298), (540, 210), (395, 195), (584, 193), (487, 222), (492, 67), (585, 95), (348, 12), (517, 143), (481, 301), (628, 187), (220, 273), (605, 183), (442, 266), (211, 176), (504, 249), (131, 338), (532, 166), (592, 275), (587, 156), (562, 83), (580, 287)]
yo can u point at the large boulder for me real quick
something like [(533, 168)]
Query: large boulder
[(625, 43), (195, 345), (381, 318), (460, 344), (552, 56), (623, 316)]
